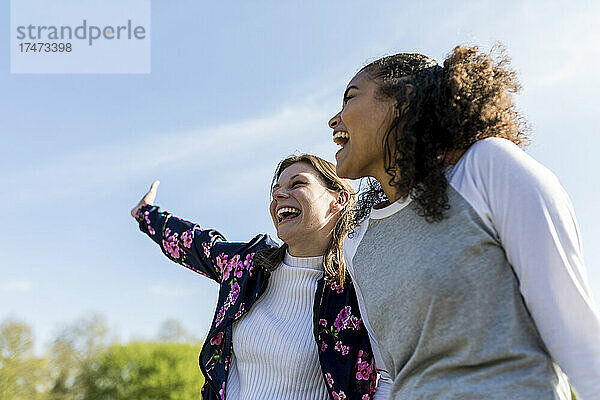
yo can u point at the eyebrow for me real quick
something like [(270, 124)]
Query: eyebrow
[(275, 186), (348, 89)]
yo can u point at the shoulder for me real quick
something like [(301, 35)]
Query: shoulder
[(351, 243), (492, 152), (497, 178), (263, 240), (499, 161), (259, 242)]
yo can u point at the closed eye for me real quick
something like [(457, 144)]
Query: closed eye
[(298, 183), (347, 95)]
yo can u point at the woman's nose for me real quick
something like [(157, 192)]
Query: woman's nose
[(280, 194), (335, 121)]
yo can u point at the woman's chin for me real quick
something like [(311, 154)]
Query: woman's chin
[(342, 163), (339, 166), (342, 170), (284, 234)]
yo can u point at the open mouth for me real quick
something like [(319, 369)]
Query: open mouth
[(340, 138), (285, 214)]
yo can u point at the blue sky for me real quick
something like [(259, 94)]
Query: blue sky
[(233, 88)]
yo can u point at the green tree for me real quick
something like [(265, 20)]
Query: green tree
[(22, 375), (72, 353), (149, 371), (171, 330)]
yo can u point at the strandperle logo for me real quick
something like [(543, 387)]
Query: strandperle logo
[(80, 37), (84, 31)]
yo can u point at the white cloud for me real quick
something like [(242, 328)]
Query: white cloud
[(101, 168), (572, 55), (16, 286)]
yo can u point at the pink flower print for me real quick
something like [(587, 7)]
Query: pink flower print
[(339, 396), (345, 320), (224, 266), (364, 370), (235, 291), (353, 323), (170, 244), (220, 315), (225, 272), (206, 247), (229, 301), (329, 380), (187, 237), (323, 322), (249, 263), (222, 391), (240, 311), (216, 340), (366, 397), (323, 346), (334, 286), (339, 346), (146, 219), (342, 316), (239, 270), (233, 266), (373, 386), (221, 260)]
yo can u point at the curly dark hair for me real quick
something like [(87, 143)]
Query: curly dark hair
[(440, 111)]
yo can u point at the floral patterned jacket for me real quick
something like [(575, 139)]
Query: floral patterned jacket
[(345, 354)]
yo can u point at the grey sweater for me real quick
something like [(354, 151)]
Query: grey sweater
[(445, 306)]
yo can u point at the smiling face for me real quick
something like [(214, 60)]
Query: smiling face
[(360, 128), (304, 210)]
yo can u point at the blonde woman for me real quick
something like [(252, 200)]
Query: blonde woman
[(287, 324)]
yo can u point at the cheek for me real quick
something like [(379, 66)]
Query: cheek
[(360, 129), (272, 210), (347, 118), (317, 212)]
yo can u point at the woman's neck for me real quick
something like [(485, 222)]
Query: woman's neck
[(451, 157), (301, 251), (314, 247), (391, 192)]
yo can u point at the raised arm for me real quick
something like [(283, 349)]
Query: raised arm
[(181, 241)]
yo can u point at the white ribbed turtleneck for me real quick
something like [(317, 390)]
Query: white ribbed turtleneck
[(275, 355)]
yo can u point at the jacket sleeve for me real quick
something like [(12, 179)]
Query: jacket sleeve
[(182, 241)]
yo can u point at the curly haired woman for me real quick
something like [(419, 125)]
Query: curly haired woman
[(466, 255)]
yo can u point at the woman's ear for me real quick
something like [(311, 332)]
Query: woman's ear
[(341, 201), (406, 100)]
